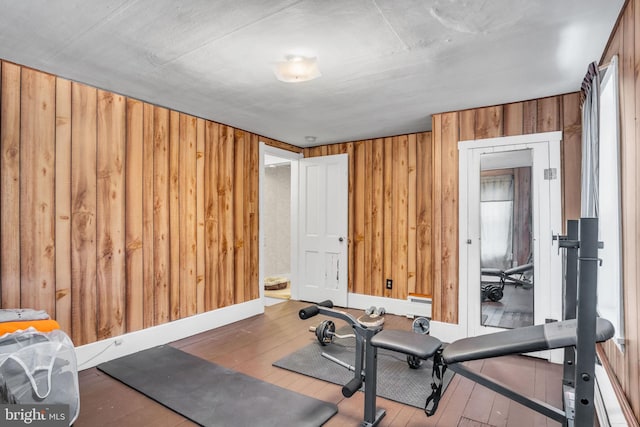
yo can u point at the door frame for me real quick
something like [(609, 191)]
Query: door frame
[(549, 224), (293, 157), (342, 297)]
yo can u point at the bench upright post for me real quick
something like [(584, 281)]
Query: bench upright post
[(570, 298), (586, 328)]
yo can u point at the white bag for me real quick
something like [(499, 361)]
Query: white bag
[(39, 368)]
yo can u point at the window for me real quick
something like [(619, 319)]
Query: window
[(610, 304), (496, 221)]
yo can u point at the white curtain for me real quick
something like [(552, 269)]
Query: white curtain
[(590, 142), (496, 221)]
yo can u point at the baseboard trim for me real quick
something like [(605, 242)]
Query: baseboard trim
[(93, 354), (611, 404), (607, 407), (448, 332)]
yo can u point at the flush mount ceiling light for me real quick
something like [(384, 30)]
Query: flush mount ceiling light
[(295, 69)]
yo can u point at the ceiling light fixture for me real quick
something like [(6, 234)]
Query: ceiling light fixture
[(295, 69), (310, 139)]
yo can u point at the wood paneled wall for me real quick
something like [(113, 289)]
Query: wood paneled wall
[(389, 213), (625, 42), (556, 113), (118, 215), (403, 196)]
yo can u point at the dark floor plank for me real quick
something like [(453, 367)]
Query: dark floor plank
[(468, 422), (455, 409), (500, 404), (480, 403), (107, 402)]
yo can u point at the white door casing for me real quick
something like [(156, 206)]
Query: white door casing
[(545, 150), (322, 229)]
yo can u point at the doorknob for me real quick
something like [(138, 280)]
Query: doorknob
[(340, 239)]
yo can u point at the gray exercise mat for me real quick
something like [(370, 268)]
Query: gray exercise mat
[(396, 381), (212, 395)]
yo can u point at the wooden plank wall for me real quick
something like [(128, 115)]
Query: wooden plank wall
[(403, 196), (389, 205), (556, 113), (118, 215), (625, 42)]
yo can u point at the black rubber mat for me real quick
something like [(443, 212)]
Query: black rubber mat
[(396, 381), (212, 395)]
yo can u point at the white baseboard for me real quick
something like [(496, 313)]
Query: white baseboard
[(93, 354), (412, 307), (447, 332), (608, 408), (268, 301)]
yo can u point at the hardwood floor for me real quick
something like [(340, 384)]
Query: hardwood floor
[(252, 345)]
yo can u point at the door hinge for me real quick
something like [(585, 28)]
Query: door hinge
[(551, 173)]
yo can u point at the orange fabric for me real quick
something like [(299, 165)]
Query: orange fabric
[(39, 325)]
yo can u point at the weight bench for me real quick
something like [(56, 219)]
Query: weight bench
[(578, 334), (494, 291), (514, 341), (508, 275)]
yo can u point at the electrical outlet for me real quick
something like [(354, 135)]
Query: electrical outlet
[(389, 284)]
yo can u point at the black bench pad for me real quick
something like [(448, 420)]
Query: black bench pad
[(521, 340), (407, 342)]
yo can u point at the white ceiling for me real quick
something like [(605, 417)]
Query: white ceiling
[(387, 65)]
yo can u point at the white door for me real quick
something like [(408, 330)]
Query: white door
[(323, 224), (543, 150)]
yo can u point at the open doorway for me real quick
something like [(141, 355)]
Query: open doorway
[(277, 219), (277, 230)]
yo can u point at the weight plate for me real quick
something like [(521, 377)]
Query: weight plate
[(414, 362), (325, 332), (421, 325)]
